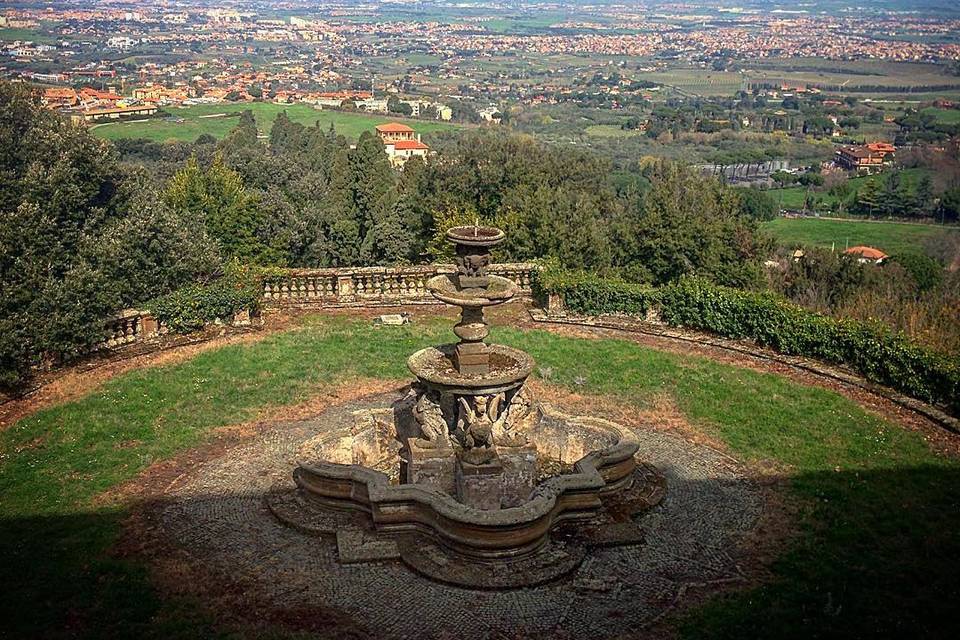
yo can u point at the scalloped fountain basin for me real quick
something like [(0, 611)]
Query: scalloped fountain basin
[(352, 468)]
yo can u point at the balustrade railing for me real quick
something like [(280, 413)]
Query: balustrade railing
[(322, 288), (130, 326), (369, 285)]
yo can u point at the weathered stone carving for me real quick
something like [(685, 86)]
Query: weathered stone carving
[(434, 430), (515, 421), (483, 468), (475, 423)]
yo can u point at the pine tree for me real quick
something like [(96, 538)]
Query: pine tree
[(868, 198), (342, 220), (374, 183), (217, 199), (243, 135), (923, 196)]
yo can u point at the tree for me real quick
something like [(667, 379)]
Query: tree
[(217, 199), (340, 213), (756, 204), (923, 196), (868, 198), (394, 105), (691, 224), (383, 238), (68, 235), (243, 135), (950, 205)]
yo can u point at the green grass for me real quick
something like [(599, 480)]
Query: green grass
[(878, 549), (945, 116), (795, 197), (701, 82), (350, 125), (30, 35), (890, 237), (610, 131)]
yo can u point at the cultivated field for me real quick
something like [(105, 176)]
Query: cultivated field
[(795, 197), (701, 82), (200, 119), (890, 237)]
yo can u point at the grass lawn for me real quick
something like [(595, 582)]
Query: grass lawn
[(889, 237), (350, 125), (878, 554)]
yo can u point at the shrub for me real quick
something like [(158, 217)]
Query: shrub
[(587, 293), (192, 307), (876, 352)]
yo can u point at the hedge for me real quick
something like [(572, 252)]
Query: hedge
[(192, 307), (874, 351)]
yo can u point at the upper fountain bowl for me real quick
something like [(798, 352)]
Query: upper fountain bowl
[(475, 236)]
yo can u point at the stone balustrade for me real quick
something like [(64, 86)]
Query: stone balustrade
[(296, 288), (361, 286), (131, 326)]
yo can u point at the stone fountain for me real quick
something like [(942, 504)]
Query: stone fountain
[(467, 478)]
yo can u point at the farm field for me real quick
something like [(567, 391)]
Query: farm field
[(795, 197), (350, 125), (32, 35), (890, 237), (945, 116), (610, 131), (887, 77), (701, 82)]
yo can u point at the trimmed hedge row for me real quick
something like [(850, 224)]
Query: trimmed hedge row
[(874, 351), (590, 294), (192, 307)]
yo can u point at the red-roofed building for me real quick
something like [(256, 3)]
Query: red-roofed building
[(395, 132), (866, 254), (401, 143)]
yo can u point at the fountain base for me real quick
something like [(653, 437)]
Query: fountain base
[(523, 518)]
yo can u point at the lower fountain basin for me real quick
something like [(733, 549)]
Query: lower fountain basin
[(434, 366), (574, 495)]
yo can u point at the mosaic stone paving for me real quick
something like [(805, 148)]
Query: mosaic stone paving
[(218, 515)]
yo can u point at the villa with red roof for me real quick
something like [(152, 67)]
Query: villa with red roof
[(401, 143)]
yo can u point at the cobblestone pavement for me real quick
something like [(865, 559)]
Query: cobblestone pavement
[(217, 514)]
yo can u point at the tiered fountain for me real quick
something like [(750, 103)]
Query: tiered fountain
[(473, 480)]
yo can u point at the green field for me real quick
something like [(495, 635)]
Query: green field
[(945, 116), (348, 124), (29, 35), (701, 82), (795, 197), (877, 509), (610, 131), (890, 237)]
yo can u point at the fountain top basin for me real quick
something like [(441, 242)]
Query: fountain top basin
[(436, 367), (475, 236)]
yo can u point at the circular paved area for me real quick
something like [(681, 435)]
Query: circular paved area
[(217, 514)]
